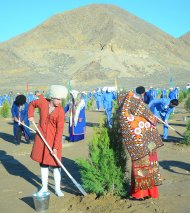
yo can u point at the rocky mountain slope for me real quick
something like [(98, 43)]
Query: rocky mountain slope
[(91, 46)]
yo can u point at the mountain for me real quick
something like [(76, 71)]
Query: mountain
[(186, 38), (91, 46)]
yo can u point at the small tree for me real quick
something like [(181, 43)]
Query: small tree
[(63, 103), (187, 104), (99, 172), (116, 141), (186, 139), (181, 96), (5, 110), (89, 104)]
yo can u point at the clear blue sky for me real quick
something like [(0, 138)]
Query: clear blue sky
[(19, 16)]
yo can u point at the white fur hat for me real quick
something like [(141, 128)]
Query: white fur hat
[(58, 91)]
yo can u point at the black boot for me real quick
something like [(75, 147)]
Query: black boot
[(28, 141)]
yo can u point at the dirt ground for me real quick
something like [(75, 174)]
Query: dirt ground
[(20, 176)]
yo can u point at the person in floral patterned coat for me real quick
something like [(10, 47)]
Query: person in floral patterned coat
[(139, 133)]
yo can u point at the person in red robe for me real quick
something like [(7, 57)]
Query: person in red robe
[(141, 138), (51, 124)]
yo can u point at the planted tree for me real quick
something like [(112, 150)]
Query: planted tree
[(100, 173), (181, 96), (89, 104), (187, 104), (5, 110), (186, 139), (116, 140)]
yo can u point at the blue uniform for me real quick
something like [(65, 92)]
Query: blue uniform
[(149, 96), (174, 94), (98, 99), (160, 108), (21, 113), (31, 97), (163, 94), (108, 97)]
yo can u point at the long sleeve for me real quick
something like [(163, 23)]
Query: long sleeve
[(169, 111), (25, 113), (154, 102), (34, 104), (66, 108), (59, 129), (13, 112)]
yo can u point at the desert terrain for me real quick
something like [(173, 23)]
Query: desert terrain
[(20, 176)]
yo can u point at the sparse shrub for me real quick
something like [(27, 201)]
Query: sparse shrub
[(187, 104), (5, 109), (181, 96), (186, 139), (90, 104), (115, 105), (63, 103)]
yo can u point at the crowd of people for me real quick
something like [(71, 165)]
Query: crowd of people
[(138, 122)]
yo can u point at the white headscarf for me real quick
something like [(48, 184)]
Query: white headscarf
[(74, 93)]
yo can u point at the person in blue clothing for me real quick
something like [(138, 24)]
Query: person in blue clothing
[(77, 119), (98, 99), (108, 98), (19, 112), (30, 97), (162, 108), (149, 96), (174, 94), (163, 93)]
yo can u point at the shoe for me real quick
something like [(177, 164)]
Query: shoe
[(28, 141), (147, 197), (59, 193), (137, 199), (16, 143)]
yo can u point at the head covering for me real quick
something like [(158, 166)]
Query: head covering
[(140, 90), (83, 92), (109, 89), (57, 91), (174, 102), (20, 100), (74, 93)]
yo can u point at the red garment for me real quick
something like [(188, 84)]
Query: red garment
[(51, 126), (153, 192), (145, 177)]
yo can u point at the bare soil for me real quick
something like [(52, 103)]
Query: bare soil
[(20, 176)]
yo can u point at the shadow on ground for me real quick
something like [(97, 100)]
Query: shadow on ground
[(170, 165), (14, 167), (29, 201), (90, 124)]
